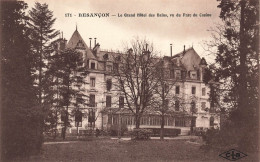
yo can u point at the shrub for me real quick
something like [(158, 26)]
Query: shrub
[(232, 136), (198, 131), (141, 134), (168, 132), (115, 127)]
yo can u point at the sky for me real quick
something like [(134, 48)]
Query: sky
[(111, 32)]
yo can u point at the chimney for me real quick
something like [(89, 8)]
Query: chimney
[(95, 42), (184, 49), (171, 49), (90, 43)]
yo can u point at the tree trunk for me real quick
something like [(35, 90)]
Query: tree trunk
[(56, 124), (162, 127), (192, 124), (77, 129), (243, 97), (137, 121), (65, 125)]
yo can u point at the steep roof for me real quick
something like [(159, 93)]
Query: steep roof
[(74, 42), (75, 38), (190, 59)]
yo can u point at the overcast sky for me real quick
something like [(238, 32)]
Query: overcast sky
[(112, 31)]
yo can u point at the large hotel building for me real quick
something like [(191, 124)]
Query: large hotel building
[(107, 105)]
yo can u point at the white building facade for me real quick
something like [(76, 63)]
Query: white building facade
[(106, 105)]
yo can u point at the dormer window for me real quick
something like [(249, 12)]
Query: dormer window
[(80, 44), (105, 56), (178, 74), (93, 65), (193, 75)]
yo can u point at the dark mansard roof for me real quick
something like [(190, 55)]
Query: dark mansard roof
[(186, 60)]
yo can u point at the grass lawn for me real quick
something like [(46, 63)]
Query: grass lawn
[(115, 150)]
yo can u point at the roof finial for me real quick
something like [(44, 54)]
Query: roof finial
[(76, 27)]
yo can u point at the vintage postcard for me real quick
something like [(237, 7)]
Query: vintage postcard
[(139, 80)]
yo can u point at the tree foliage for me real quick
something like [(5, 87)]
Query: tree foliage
[(20, 111), (68, 75), (41, 34), (237, 63)]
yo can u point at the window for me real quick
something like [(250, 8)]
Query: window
[(193, 90), (154, 120), (115, 67), (78, 119), (92, 82), (108, 101), (170, 121), (92, 100), (193, 75), (121, 102), (63, 116), (109, 84), (78, 124), (78, 116), (93, 65), (177, 90), (203, 105), (193, 107), (177, 105), (203, 91), (91, 116), (178, 74), (180, 122)]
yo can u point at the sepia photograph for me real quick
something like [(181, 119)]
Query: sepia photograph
[(136, 80)]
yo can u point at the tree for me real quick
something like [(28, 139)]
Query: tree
[(20, 112), (41, 22), (162, 91), (135, 77), (237, 63), (68, 69)]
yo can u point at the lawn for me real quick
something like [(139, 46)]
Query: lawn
[(115, 150)]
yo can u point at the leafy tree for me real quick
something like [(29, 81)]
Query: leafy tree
[(237, 64), (42, 32), (20, 112), (68, 70)]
